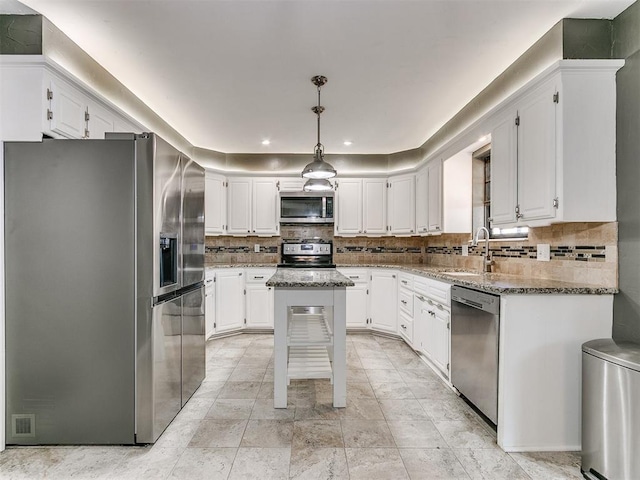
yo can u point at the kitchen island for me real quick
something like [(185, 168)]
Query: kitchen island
[(322, 294)]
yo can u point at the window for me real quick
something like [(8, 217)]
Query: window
[(482, 197)]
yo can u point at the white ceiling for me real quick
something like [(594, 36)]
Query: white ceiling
[(229, 73)]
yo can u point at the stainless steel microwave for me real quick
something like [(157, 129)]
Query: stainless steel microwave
[(306, 207)]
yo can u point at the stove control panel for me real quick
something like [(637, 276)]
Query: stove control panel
[(306, 248)]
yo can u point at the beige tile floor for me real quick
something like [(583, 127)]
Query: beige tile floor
[(400, 422)]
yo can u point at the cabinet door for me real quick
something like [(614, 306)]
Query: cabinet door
[(438, 339), (229, 300), (435, 196), (349, 206), (259, 306), (99, 121), (421, 321), (503, 171), (291, 184), (402, 204), (422, 201), (209, 305), (215, 204), (374, 206), (537, 154), (67, 109), (239, 206), (265, 203), (357, 301), (384, 301)]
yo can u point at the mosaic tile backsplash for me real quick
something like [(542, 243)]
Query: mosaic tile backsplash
[(580, 252)]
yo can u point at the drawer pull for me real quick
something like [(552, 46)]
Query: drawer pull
[(404, 301), (355, 277), (405, 282), (258, 276)]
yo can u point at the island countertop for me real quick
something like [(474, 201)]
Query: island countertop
[(308, 278)]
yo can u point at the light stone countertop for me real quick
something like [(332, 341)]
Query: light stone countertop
[(499, 283), (308, 278)]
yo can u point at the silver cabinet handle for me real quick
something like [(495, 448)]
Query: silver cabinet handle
[(421, 298), (258, 276), (403, 301), (355, 277), (405, 282), (430, 302)]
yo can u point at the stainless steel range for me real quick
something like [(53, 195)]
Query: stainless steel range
[(307, 254)]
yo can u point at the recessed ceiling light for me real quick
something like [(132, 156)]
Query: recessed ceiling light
[(483, 138), (348, 142), (266, 142)]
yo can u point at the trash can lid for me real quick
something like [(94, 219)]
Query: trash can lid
[(625, 354)]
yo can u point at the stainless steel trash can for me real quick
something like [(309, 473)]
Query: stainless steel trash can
[(610, 410)]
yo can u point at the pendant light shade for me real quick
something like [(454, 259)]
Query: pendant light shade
[(317, 185), (318, 168)]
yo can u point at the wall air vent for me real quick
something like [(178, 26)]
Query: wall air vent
[(23, 425)]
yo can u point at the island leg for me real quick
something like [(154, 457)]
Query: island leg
[(280, 353), (339, 347)]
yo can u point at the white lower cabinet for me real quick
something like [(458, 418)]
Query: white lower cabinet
[(438, 339), (229, 300), (259, 299), (383, 303), (431, 334), (357, 298), (210, 303)]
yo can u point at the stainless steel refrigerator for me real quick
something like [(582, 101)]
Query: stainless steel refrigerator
[(104, 254)]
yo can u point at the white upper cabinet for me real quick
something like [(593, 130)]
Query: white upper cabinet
[(361, 206), (537, 152), (429, 199), (239, 206), (348, 197), (252, 206), (215, 204), (504, 189), (553, 148), (99, 121), (401, 211), (374, 206), (291, 184), (265, 206), (40, 97), (67, 107), (422, 201), (434, 194)]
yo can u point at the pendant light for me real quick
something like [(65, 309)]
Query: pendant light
[(318, 169)]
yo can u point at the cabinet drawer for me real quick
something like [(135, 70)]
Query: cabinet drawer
[(420, 286), (440, 292), (356, 275), (405, 299), (259, 275), (405, 280), (405, 327)]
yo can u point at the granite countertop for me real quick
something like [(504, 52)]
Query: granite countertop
[(498, 283), (308, 277)]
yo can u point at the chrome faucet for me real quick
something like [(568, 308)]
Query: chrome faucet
[(487, 258)]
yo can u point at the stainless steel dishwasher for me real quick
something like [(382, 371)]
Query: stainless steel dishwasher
[(475, 327)]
